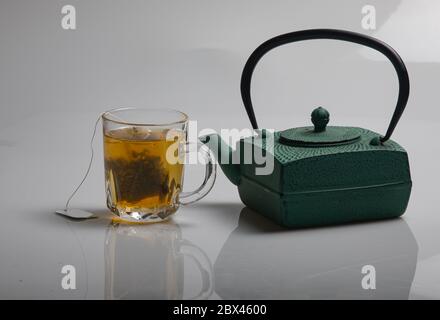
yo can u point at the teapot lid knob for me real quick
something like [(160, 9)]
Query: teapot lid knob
[(320, 119), (320, 135)]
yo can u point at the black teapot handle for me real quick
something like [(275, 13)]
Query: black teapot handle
[(349, 36)]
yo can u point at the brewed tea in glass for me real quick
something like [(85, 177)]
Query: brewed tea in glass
[(144, 152)]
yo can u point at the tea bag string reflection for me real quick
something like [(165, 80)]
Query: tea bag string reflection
[(76, 213)]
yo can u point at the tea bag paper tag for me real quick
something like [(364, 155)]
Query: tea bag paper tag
[(76, 214)]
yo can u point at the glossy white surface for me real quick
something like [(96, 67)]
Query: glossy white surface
[(54, 84)]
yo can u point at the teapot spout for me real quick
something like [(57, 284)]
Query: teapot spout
[(223, 154)]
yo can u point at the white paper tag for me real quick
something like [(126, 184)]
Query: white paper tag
[(76, 214)]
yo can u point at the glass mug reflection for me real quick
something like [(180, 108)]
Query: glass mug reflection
[(148, 262), (143, 178)]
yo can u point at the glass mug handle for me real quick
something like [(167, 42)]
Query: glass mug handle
[(200, 258), (210, 175)]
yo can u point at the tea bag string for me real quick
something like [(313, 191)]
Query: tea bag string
[(90, 162)]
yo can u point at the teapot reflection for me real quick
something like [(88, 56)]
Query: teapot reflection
[(147, 262), (261, 260)]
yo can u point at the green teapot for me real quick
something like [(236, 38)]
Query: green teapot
[(321, 174)]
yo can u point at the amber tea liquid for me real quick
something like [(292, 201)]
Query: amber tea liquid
[(139, 179)]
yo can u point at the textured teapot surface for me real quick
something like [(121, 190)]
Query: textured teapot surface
[(321, 140), (326, 175), (284, 153), (329, 185), (349, 165)]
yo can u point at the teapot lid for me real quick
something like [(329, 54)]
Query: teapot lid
[(319, 135)]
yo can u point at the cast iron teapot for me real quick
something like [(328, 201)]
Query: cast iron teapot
[(322, 174)]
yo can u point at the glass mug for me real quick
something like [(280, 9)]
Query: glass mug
[(144, 152)]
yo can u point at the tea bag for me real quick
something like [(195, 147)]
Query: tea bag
[(142, 175), (75, 213)]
